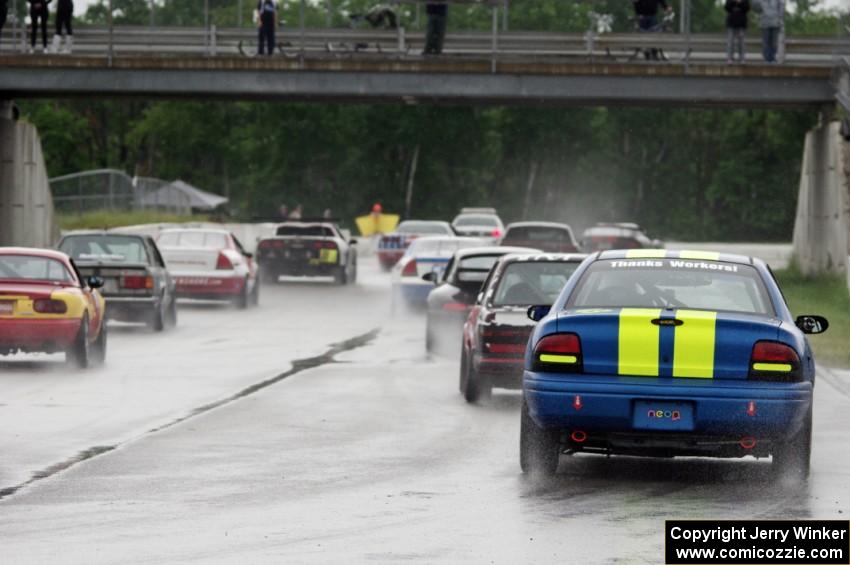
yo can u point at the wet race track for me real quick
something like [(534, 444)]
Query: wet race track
[(315, 429)]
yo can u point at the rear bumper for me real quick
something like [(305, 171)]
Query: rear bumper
[(500, 372), (202, 285), (306, 268), (38, 335), (389, 258), (607, 406), (414, 294), (130, 308)]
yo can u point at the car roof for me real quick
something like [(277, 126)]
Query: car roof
[(102, 232), (687, 255), (493, 250), (203, 230), (36, 251), (543, 257), (560, 225)]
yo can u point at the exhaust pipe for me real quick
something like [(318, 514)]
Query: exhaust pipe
[(578, 436), (747, 442)]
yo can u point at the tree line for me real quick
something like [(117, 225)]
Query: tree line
[(720, 174)]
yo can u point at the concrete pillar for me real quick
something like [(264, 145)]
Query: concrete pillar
[(26, 205), (821, 226)]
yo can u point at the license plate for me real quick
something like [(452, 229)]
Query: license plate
[(193, 281), (663, 415), (6, 307)]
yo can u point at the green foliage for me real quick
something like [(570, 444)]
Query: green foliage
[(106, 219)]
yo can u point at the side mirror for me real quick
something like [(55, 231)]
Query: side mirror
[(430, 277), (537, 313), (812, 324), (248, 255), (352, 242), (94, 282)]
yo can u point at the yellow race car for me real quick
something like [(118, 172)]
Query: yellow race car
[(46, 306)]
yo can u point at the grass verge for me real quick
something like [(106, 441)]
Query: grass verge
[(829, 297), (105, 219)]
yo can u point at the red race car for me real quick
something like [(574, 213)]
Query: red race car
[(46, 306)]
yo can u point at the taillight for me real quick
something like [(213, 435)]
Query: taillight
[(496, 233), (455, 307), (223, 262), (136, 282), (410, 269), (558, 352), (270, 244), (49, 306), (774, 361), (324, 245)]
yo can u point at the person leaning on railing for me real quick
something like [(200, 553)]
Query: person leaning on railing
[(437, 16), (266, 16), (770, 21), (646, 12), (736, 30)]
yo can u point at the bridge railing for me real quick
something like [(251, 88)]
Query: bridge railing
[(177, 41)]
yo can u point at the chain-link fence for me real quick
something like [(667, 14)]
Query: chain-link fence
[(110, 189)]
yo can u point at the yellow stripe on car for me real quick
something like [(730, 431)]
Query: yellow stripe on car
[(700, 255), (693, 345), (638, 342), (566, 359), (646, 254), (773, 367)]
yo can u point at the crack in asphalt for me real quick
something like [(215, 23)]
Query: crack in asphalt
[(298, 366)]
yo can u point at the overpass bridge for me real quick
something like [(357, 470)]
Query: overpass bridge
[(477, 68)]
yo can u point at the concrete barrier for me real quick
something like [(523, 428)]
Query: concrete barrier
[(26, 205), (821, 224)]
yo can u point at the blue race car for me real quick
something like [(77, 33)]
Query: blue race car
[(664, 353)]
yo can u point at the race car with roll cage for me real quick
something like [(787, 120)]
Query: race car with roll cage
[(669, 353), (210, 264), (308, 248), (497, 328), (550, 237), (47, 306), (136, 282), (617, 235), (391, 246), (455, 292)]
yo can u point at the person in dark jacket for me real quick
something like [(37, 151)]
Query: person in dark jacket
[(646, 12), (4, 9), (437, 16), (266, 18), (38, 17), (64, 13), (736, 30)]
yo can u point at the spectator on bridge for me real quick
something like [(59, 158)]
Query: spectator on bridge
[(266, 18), (771, 15), (436, 35), (4, 8), (38, 17), (736, 30), (64, 13), (296, 213), (646, 12)]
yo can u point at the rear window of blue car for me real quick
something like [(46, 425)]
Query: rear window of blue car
[(672, 283)]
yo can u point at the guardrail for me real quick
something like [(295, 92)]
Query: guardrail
[(337, 42)]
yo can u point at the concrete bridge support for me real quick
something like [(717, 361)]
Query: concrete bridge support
[(26, 205), (821, 239)]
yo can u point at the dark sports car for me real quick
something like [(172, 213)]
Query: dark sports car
[(497, 329)]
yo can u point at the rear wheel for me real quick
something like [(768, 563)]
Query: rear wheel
[(341, 277), (476, 387), (98, 350), (539, 449), (243, 299), (157, 322), (171, 317), (429, 336), (255, 294), (79, 353), (792, 458), (353, 276)]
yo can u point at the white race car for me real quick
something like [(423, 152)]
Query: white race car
[(210, 264)]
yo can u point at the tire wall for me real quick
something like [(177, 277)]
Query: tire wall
[(26, 204)]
